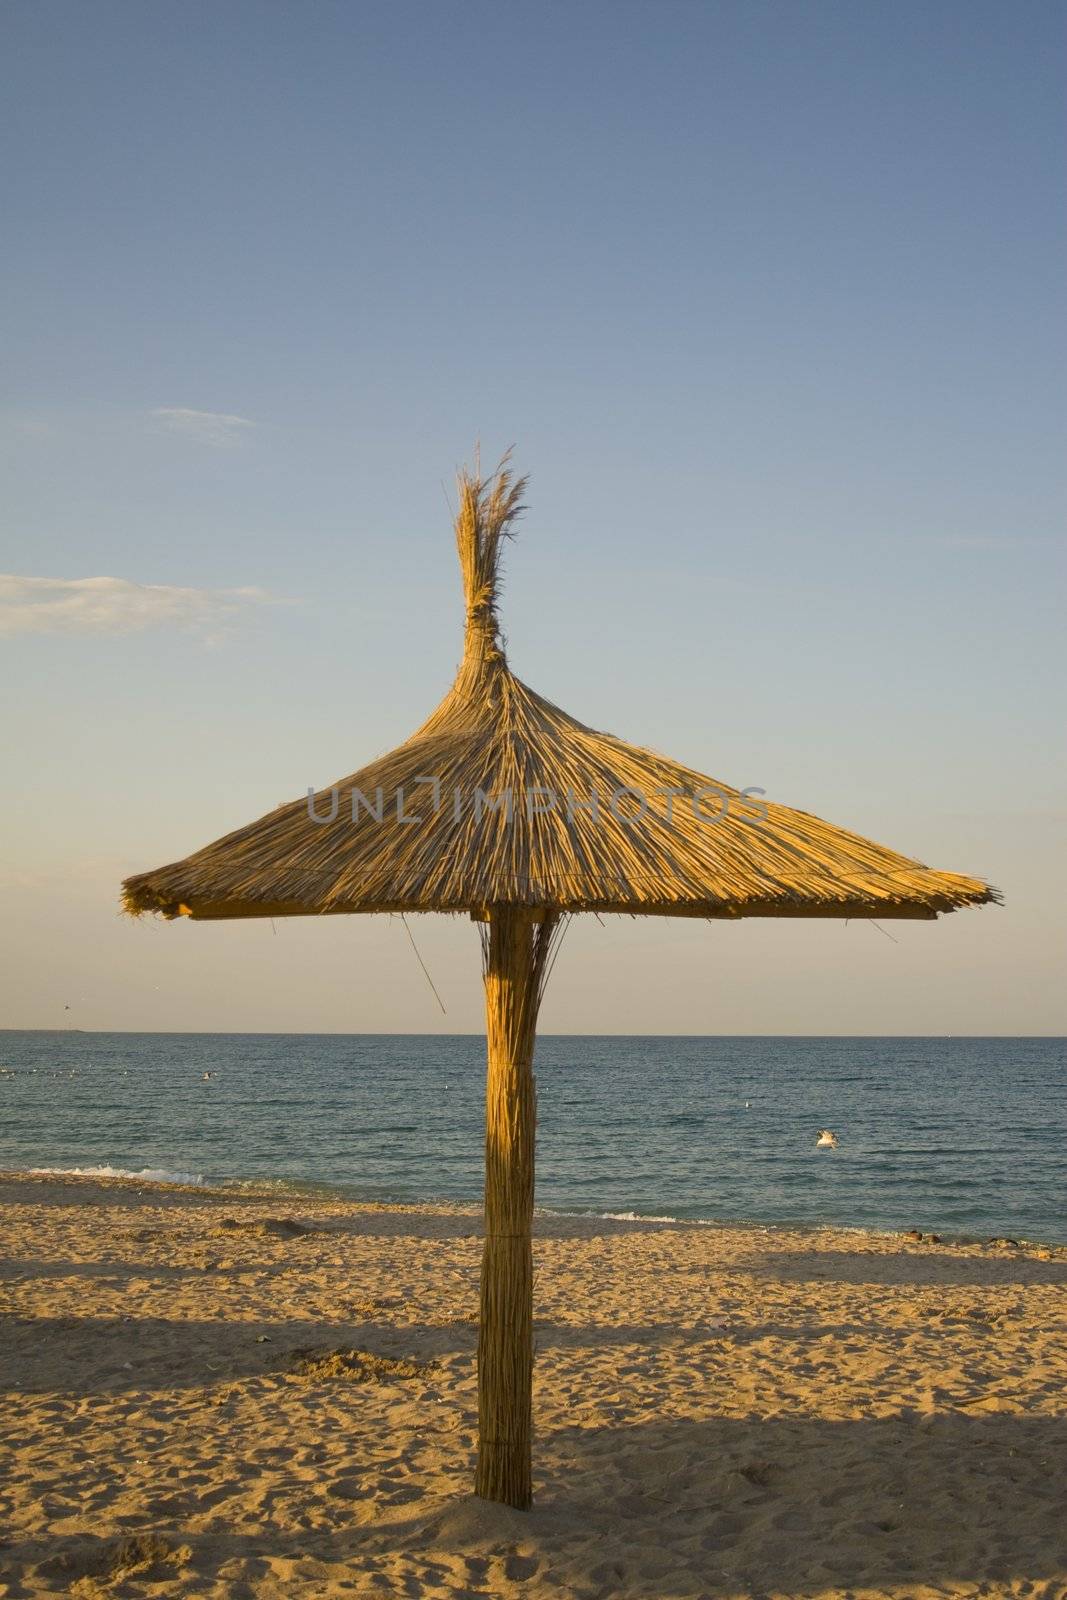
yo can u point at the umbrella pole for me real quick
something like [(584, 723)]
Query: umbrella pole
[(513, 968)]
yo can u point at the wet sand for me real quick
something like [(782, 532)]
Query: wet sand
[(241, 1395)]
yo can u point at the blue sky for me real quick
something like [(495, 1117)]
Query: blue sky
[(767, 296)]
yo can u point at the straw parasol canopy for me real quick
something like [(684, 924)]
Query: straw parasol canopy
[(503, 807)]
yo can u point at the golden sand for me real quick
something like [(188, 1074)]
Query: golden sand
[(253, 1396)]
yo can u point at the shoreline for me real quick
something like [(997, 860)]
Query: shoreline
[(282, 1190), (273, 1395)]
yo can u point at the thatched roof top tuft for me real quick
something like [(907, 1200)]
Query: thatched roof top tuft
[(501, 798)]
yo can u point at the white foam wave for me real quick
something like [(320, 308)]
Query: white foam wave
[(146, 1174), (632, 1216)]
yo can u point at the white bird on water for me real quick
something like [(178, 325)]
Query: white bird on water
[(826, 1140)]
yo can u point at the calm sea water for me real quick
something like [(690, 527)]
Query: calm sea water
[(964, 1136)]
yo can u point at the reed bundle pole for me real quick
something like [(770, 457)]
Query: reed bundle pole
[(515, 955)]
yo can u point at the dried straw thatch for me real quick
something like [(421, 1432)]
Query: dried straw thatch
[(519, 804), (503, 806)]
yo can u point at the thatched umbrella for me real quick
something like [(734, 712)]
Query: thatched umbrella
[(503, 807)]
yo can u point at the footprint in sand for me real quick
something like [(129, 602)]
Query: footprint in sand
[(519, 1568)]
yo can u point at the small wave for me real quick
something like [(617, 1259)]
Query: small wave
[(755, 1225), (146, 1174), (629, 1216)]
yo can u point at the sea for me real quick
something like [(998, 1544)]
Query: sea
[(966, 1137)]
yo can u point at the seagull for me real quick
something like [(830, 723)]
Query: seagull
[(826, 1140), (207, 1077)]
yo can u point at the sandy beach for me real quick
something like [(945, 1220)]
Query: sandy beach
[(267, 1395)]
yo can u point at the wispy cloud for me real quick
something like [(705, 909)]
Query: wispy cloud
[(25, 424), (213, 428), (981, 541), (114, 605)]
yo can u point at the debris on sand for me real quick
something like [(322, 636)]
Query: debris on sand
[(92, 1567), (270, 1227), (316, 1365)]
